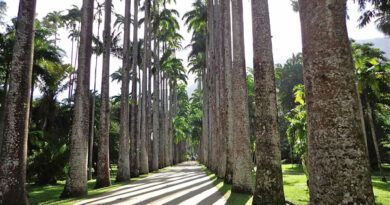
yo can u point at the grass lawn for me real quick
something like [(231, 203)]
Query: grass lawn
[(295, 188), (50, 194)]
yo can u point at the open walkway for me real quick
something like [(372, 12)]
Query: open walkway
[(184, 184)]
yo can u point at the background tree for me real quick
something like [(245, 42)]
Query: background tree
[(76, 183), (269, 179), (123, 162), (103, 161), (242, 166)]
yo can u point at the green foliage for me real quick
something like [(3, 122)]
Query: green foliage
[(251, 104), (196, 20), (297, 128), (379, 11), (372, 72)]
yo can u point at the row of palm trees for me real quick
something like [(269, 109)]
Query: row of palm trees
[(146, 119), (338, 161)]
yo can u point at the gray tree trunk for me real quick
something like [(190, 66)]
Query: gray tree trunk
[(269, 178), (139, 113), (229, 97), (170, 123), (213, 94), (338, 162), (221, 93), (156, 107), (133, 121), (16, 116), (149, 123), (92, 128), (242, 165), (161, 124), (166, 123), (103, 161), (124, 161), (144, 163), (76, 183)]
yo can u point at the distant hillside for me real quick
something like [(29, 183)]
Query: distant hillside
[(381, 43)]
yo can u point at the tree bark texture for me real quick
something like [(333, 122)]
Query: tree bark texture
[(76, 183), (103, 161), (221, 89), (144, 162), (269, 178), (338, 162), (228, 90), (156, 107), (124, 161), (16, 116), (133, 118), (242, 165)]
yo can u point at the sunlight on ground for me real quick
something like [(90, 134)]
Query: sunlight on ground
[(293, 179), (295, 188)]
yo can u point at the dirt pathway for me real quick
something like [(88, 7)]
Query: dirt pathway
[(183, 184)]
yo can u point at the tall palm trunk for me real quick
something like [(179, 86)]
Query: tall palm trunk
[(161, 151), (70, 75), (92, 128), (76, 183), (123, 162), (228, 86), (156, 107), (213, 73), (242, 165), (338, 164), (103, 161), (74, 78), (269, 179), (222, 133), (374, 139), (133, 115), (162, 118), (144, 163), (16, 121), (205, 130), (170, 123), (139, 113), (166, 123), (149, 123)]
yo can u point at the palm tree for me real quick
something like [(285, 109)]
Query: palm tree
[(76, 183), (124, 161), (56, 21), (379, 12), (144, 163), (242, 165), (229, 97), (338, 157), (269, 179), (72, 21), (212, 95), (222, 96), (371, 72), (156, 93), (98, 51), (14, 146), (133, 112), (103, 163)]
